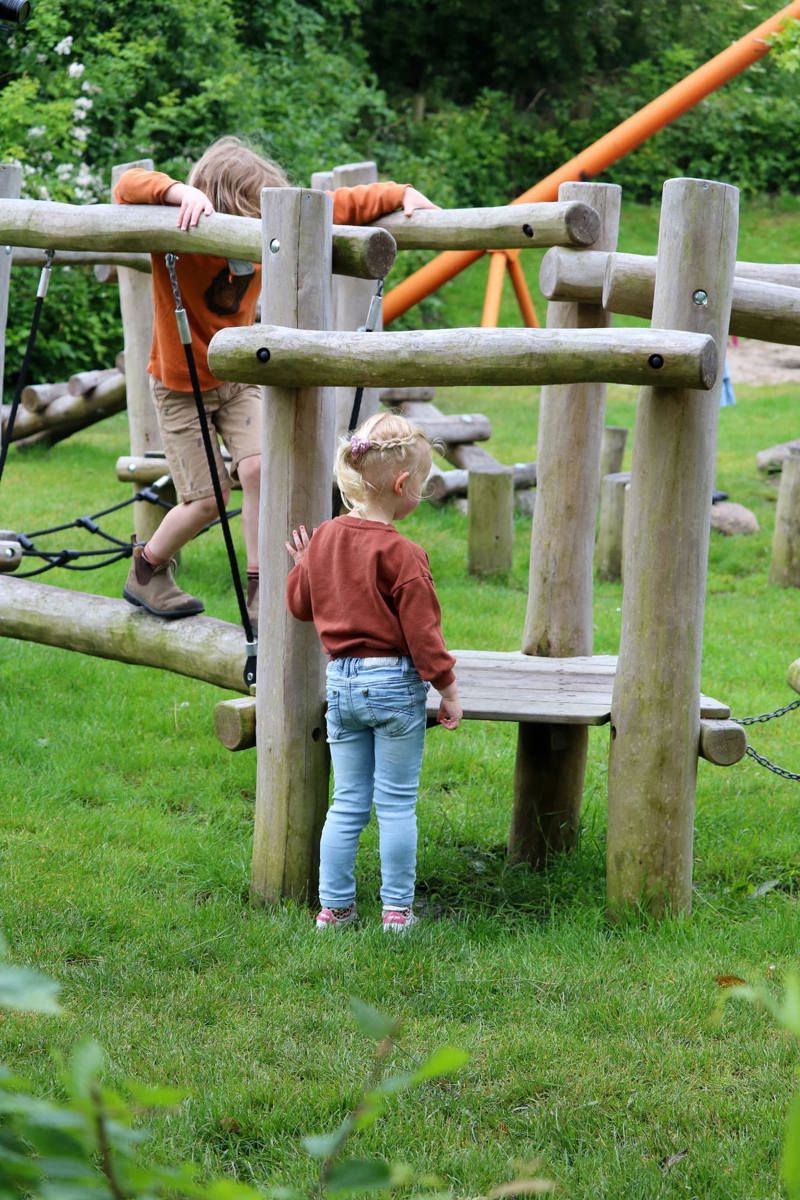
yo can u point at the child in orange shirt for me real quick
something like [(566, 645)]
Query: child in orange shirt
[(216, 293)]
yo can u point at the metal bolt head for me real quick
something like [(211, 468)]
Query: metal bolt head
[(700, 298), (8, 551), (274, 245)]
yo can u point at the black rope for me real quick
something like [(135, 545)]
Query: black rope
[(352, 425), (186, 338), (22, 378)]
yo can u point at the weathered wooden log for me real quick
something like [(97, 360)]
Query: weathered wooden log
[(235, 723), (785, 274), (10, 183), (550, 763), (793, 678), (200, 647), (363, 251), (10, 555), (655, 730), (768, 311), (281, 356), (104, 261), (391, 397), (442, 485), (784, 568), (507, 227), (612, 449), (453, 429), (614, 490), (36, 396), (68, 412), (771, 461), (298, 440), (86, 381), (131, 468), (136, 309), (490, 529), (722, 742)]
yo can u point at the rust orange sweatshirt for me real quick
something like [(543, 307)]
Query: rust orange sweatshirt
[(369, 591), (213, 298)]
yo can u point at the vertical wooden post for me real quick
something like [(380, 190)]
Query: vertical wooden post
[(655, 714), (10, 183), (490, 520), (614, 490), (612, 449), (550, 764), (136, 307), (351, 297), (784, 569), (297, 467)]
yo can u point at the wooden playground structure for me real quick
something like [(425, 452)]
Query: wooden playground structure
[(554, 688)]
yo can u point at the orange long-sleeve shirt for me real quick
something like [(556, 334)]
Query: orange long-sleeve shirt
[(369, 591), (212, 296)]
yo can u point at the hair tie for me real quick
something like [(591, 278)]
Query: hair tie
[(359, 446)]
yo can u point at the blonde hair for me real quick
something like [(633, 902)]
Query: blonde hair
[(370, 459), (232, 175)]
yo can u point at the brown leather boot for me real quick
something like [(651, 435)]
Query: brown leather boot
[(252, 602), (155, 589)]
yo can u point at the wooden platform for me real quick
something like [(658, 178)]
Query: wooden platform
[(512, 686)]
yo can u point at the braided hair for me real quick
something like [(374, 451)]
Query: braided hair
[(371, 459)]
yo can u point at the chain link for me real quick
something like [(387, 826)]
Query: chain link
[(760, 719)]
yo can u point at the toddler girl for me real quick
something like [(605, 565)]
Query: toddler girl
[(370, 594)]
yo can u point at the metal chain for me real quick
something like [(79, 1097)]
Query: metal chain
[(760, 719)]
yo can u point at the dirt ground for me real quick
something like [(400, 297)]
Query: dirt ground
[(763, 362)]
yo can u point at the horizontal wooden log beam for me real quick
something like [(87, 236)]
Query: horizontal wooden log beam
[(441, 485), (10, 555), (72, 412), (453, 430), (235, 722), (199, 647), (28, 256), (722, 742), (794, 675), (506, 227), (146, 468), (364, 252), (284, 357), (37, 396), (625, 283)]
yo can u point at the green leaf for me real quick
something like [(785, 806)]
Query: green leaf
[(790, 1166), (790, 1010), (154, 1097), (360, 1175), (28, 991), (85, 1064), (444, 1061), (371, 1021), (323, 1145)]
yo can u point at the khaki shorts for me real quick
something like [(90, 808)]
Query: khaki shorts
[(234, 413)]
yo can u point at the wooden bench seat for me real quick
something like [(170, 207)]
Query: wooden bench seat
[(511, 686)]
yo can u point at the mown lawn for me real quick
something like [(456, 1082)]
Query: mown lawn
[(125, 834)]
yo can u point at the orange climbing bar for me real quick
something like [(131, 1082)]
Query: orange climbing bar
[(607, 150)]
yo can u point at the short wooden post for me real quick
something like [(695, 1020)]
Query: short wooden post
[(297, 467), (136, 308), (551, 760), (10, 183), (612, 449), (655, 714), (784, 569), (351, 297), (614, 491), (490, 528)]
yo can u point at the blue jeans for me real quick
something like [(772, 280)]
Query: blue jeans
[(376, 732)]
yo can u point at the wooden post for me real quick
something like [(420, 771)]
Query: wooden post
[(614, 490), (785, 566), (136, 307), (655, 715), (297, 467), (550, 764), (612, 449), (351, 297), (10, 182), (490, 537)]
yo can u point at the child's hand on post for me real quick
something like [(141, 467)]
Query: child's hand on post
[(412, 200), (193, 204), (450, 710), (299, 543)]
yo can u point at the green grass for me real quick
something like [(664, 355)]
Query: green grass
[(125, 834)]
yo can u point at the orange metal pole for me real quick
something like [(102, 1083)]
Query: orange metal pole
[(520, 283), (607, 150), (494, 289)]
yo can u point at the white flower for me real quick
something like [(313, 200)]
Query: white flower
[(79, 133), (36, 131), (64, 170), (75, 70), (44, 194), (83, 104), (64, 46)]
